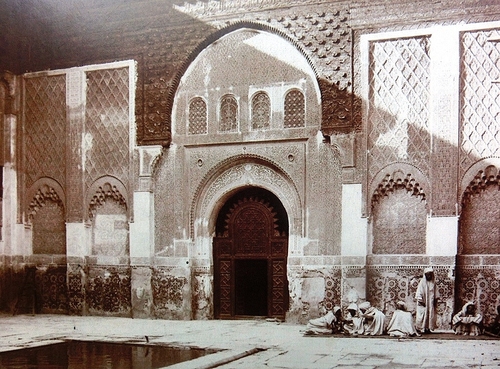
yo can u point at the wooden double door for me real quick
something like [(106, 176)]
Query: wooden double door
[(250, 263)]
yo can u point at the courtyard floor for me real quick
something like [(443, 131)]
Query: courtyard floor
[(256, 344)]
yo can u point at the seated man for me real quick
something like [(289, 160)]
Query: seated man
[(324, 324), (338, 323), (353, 322), (401, 324), (467, 321), (374, 319)]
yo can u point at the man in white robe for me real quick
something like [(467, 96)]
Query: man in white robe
[(427, 297), (467, 321), (374, 319), (354, 322), (324, 324), (401, 323)]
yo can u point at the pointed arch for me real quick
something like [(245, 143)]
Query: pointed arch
[(238, 172), (398, 202), (260, 111), (47, 217), (108, 215), (398, 175), (103, 188), (212, 38), (250, 256), (479, 231), (42, 190), (197, 122)]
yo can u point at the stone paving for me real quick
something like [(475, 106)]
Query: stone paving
[(256, 344)]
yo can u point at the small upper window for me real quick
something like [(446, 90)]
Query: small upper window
[(197, 116), (228, 120), (261, 111), (294, 109)]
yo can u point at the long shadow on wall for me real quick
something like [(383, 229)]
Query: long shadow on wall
[(54, 34)]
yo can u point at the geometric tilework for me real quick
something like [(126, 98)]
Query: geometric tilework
[(51, 283), (385, 285), (76, 289), (167, 291), (333, 289), (108, 290), (482, 285)]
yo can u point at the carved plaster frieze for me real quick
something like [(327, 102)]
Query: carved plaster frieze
[(247, 171)]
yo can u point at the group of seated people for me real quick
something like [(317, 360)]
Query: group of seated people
[(364, 319)]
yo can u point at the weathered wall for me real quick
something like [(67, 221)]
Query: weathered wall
[(34, 285), (399, 106)]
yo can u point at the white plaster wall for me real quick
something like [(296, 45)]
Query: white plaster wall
[(9, 199), (77, 240), (141, 230), (354, 227), (442, 236)]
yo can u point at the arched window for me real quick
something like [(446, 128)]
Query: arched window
[(294, 109), (228, 119), (261, 111), (197, 116)]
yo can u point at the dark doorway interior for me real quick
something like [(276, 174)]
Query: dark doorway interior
[(251, 287), (250, 256)]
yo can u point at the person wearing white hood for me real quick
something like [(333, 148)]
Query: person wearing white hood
[(354, 322), (427, 298), (401, 323), (325, 324), (374, 319), (467, 320)]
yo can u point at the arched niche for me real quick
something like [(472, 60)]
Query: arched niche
[(239, 172), (398, 211), (108, 215), (47, 217), (244, 62)]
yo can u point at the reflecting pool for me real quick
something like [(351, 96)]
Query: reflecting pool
[(98, 355)]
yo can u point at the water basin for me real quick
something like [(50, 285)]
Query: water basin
[(98, 355)]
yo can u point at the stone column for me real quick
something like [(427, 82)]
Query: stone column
[(353, 244), (142, 235), (77, 234)]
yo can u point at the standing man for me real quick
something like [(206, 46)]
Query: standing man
[(427, 297)]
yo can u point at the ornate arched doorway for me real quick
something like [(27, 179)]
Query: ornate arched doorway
[(250, 252)]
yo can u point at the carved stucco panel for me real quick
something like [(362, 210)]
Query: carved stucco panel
[(480, 107), (250, 174), (202, 161), (398, 112)]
